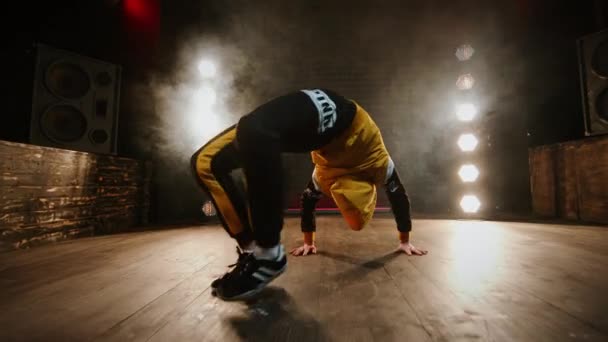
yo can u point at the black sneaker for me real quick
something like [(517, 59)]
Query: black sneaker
[(242, 255), (250, 276)]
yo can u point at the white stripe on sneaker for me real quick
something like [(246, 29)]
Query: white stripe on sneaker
[(265, 273), (261, 277), (267, 270)]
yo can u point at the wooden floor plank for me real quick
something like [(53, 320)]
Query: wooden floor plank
[(65, 249), (567, 278), (103, 295), (277, 314), (146, 322), (482, 281), (359, 300), (498, 287)]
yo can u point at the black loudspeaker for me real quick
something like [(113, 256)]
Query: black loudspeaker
[(593, 62), (75, 101)]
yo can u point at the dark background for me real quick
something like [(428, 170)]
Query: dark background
[(396, 58)]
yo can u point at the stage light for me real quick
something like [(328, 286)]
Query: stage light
[(466, 112), (467, 142), (468, 173), (470, 203), (464, 52), (207, 68), (465, 82), (205, 97)]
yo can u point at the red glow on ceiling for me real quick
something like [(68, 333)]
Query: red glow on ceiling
[(140, 9), (145, 11), (142, 22)]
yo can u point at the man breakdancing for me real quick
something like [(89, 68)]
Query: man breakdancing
[(351, 160)]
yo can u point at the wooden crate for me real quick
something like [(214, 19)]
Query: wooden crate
[(50, 194), (570, 180)]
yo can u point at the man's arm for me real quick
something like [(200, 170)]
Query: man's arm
[(400, 205), (308, 201)]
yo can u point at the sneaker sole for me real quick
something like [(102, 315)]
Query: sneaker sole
[(250, 293)]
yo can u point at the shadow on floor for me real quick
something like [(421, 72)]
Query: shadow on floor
[(274, 316), (370, 264), (362, 270)]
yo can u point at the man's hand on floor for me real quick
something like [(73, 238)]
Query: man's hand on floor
[(409, 249), (304, 250)]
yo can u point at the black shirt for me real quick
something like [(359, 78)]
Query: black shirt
[(305, 120)]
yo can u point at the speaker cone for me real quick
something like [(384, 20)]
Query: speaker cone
[(67, 80), (63, 123)]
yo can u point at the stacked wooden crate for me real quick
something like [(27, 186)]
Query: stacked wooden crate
[(49, 194), (570, 180)]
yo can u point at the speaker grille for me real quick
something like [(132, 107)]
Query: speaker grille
[(63, 123), (67, 80)]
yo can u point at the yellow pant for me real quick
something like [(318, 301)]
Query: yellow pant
[(351, 167), (212, 165), (348, 169)]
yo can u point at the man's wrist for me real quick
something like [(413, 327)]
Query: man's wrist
[(404, 237), (309, 238)]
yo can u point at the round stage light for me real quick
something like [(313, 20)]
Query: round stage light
[(467, 142), (464, 52), (465, 82), (470, 203), (207, 68), (466, 112), (468, 173)]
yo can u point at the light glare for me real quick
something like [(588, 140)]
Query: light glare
[(470, 203), (202, 116), (464, 52), (205, 97), (465, 82), (466, 112), (468, 173), (467, 268), (467, 142), (207, 68)]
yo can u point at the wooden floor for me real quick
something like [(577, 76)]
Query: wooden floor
[(481, 281)]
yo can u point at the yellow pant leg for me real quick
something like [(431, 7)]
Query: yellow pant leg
[(202, 164)]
